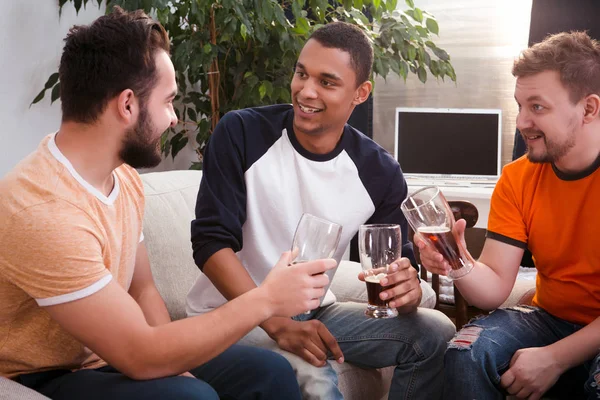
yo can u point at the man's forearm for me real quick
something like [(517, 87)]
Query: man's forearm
[(231, 278), (579, 347), (176, 347), (484, 288), (228, 274)]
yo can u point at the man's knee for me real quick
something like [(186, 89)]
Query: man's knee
[(181, 388), (471, 347), (273, 376), (436, 330), (273, 364), (592, 386)]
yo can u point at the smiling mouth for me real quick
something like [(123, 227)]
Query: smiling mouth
[(532, 135), (309, 110)]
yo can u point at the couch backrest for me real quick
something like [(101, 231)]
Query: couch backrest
[(170, 204)]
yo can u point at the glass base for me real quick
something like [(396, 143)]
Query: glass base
[(455, 274), (380, 312)]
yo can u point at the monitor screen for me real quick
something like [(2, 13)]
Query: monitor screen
[(448, 142)]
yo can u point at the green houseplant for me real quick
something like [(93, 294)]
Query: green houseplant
[(232, 54)]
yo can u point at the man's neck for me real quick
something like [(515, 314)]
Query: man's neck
[(92, 151), (583, 156), (323, 143)]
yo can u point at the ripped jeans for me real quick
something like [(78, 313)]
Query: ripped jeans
[(481, 352)]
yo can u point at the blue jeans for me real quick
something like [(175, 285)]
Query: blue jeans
[(481, 352), (239, 373), (414, 343)]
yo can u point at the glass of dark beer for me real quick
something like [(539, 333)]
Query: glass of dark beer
[(315, 238), (429, 214), (379, 246)]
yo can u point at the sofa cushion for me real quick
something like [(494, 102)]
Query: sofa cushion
[(170, 203), (11, 390)]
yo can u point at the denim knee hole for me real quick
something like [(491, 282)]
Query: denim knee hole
[(465, 338)]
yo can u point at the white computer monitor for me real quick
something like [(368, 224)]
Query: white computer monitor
[(449, 143)]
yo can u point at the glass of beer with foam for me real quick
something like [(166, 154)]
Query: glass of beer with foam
[(379, 246), (429, 214)]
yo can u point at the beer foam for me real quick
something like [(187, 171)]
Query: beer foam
[(433, 229), (375, 278)]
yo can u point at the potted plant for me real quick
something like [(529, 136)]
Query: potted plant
[(232, 54)]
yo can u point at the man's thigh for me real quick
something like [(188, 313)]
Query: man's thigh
[(377, 343), (107, 383), (497, 336), (244, 372)]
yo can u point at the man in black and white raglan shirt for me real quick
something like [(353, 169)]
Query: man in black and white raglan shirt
[(263, 168)]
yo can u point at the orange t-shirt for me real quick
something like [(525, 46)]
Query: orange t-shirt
[(60, 240), (556, 216)]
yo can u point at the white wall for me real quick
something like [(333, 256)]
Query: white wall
[(31, 35)]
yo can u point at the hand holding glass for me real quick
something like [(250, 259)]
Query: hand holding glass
[(429, 214), (315, 238), (379, 246)]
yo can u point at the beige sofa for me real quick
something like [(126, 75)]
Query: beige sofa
[(170, 203)]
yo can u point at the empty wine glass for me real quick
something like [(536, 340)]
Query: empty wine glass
[(315, 238)]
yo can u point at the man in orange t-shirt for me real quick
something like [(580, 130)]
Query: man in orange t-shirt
[(547, 202), (80, 315)]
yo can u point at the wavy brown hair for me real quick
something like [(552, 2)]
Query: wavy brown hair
[(99, 61), (574, 55)]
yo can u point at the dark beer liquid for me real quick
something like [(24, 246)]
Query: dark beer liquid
[(373, 290), (443, 241)]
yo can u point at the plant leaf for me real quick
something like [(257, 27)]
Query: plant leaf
[(55, 95), (262, 90), (191, 114), (391, 5), (77, 4), (418, 14), (38, 98), (410, 3), (51, 81), (432, 25), (178, 142), (422, 74)]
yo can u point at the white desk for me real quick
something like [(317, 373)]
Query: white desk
[(476, 194)]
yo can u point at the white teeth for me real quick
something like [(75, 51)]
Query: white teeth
[(308, 110)]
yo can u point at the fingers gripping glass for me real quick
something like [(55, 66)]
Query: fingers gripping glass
[(315, 238), (379, 246), (429, 214)]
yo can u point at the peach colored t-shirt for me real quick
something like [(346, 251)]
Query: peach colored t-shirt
[(557, 217), (60, 240)]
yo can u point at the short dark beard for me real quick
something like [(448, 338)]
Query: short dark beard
[(137, 150), (554, 151)]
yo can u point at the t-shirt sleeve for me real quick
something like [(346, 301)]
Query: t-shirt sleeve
[(221, 202), (53, 252), (388, 211), (505, 222)]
